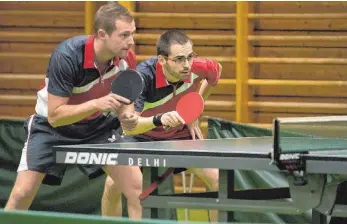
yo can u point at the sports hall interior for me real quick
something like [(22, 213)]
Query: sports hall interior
[(280, 59)]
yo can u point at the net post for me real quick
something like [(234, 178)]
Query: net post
[(276, 143)]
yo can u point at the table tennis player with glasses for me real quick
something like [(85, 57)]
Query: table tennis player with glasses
[(314, 162)]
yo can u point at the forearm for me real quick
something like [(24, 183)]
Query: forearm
[(69, 114), (205, 89), (143, 125)]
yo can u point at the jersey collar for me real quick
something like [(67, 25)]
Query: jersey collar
[(89, 54), (160, 78)]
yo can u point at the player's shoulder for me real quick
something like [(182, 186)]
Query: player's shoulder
[(203, 66), (71, 50), (73, 46), (148, 67), (202, 63)]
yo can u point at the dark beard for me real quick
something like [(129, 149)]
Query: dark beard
[(172, 74)]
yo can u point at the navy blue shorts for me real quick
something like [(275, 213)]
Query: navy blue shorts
[(37, 153)]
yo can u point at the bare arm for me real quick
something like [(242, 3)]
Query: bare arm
[(206, 89), (60, 113), (139, 124), (133, 124), (144, 124)]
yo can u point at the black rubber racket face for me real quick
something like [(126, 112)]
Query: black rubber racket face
[(128, 84)]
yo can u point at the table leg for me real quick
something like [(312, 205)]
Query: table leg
[(226, 188), (318, 218), (149, 175)]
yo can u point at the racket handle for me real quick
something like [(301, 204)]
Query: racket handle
[(155, 184), (166, 128)]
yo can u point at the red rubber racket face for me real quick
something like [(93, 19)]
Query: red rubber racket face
[(190, 107)]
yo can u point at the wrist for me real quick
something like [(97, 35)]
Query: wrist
[(157, 120), (93, 105)]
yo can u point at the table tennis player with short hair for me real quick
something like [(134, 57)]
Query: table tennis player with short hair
[(73, 108), (174, 72)]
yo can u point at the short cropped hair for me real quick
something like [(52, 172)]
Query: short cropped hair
[(107, 14), (169, 38)]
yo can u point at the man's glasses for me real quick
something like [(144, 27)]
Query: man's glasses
[(182, 59)]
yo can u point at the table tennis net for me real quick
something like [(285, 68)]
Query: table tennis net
[(312, 133)]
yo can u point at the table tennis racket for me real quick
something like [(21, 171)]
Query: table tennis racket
[(190, 107), (128, 84)]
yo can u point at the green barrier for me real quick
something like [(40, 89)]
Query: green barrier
[(49, 198), (39, 217), (35, 217)]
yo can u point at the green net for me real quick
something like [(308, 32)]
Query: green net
[(313, 133)]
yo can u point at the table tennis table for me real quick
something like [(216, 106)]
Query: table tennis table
[(314, 166)]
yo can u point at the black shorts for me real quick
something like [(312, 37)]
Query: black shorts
[(141, 138), (37, 153)]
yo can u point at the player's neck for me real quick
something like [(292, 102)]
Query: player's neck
[(101, 56), (169, 77)]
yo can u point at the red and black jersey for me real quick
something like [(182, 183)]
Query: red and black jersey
[(159, 96), (72, 73)]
